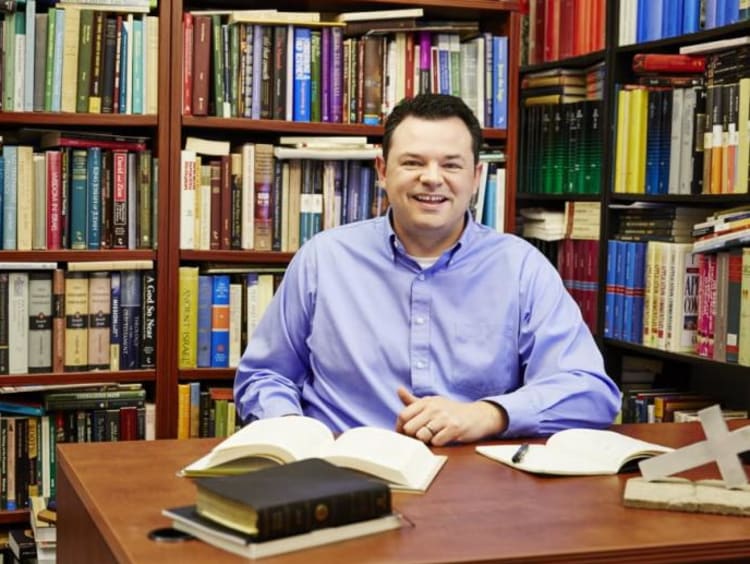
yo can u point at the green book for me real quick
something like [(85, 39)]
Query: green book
[(315, 75), (84, 60)]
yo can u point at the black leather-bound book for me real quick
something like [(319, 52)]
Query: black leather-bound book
[(295, 498)]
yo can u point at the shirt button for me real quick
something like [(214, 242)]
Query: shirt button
[(421, 276), (419, 320), (421, 364)]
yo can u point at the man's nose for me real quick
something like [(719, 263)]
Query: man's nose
[(431, 174)]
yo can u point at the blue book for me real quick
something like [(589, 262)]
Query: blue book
[(124, 86), (257, 52), (489, 209), (57, 60), (641, 25), (653, 139), (366, 185), (10, 201), (609, 296), (352, 188), (628, 331), (94, 198), (130, 306), (670, 25), (639, 264), (301, 109), (77, 207), (710, 14), (115, 334), (139, 55), (664, 141), (499, 81), (220, 321), (731, 13), (205, 292), (617, 327), (691, 15)]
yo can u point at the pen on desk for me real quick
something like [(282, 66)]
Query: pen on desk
[(520, 453)]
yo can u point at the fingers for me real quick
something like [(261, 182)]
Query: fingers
[(406, 397)]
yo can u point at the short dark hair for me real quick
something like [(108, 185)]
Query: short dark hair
[(433, 107)]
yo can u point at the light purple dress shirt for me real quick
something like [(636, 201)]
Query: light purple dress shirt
[(355, 318)]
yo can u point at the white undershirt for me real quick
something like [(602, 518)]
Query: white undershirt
[(425, 262)]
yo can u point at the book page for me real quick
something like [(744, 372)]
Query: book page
[(283, 439), (403, 461), (577, 452)]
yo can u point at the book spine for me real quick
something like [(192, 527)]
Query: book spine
[(115, 338), (148, 323), (100, 320), (40, 322), (76, 321), (205, 290), (131, 311), (220, 321)]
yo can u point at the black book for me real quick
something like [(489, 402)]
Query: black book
[(292, 499)]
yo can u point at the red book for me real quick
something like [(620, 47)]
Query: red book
[(54, 199), (187, 64), (225, 176), (668, 62), (551, 30), (201, 64)]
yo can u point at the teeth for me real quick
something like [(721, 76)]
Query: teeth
[(430, 198)]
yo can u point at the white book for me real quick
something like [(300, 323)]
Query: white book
[(316, 142), (675, 141), (247, 211), (186, 519), (203, 208), (340, 153), (278, 18), (151, 66), (404, 462), (18, 323), (500, 200), (207, 146), (128, 29), (380, 15), (187, 199), (104, 6), (717, 45), (24, 198), (6, 265), (235, 324), (98, 265), (575, 452), (690, 99)]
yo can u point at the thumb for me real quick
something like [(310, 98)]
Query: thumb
[(406, 397)]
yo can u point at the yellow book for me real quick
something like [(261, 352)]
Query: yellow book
[(25, 197), (621, 141), (71, 34), (183, 411), (187, 330), (743, 127), (76, 321), (635, 173), (650, 293), (744, 339)]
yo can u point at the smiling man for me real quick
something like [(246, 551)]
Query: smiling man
[(423, 319)]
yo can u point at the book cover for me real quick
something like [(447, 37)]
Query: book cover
[(220, 321), (40, 322), (576, 452), (292, 499), (76, 321)]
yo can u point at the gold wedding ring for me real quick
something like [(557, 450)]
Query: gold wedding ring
[(427, 426)]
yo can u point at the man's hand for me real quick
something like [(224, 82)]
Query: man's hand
[(438, 421)]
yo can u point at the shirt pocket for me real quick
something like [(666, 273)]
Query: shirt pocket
[(485, 359)]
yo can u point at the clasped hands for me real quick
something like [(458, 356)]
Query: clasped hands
[(438, 421)]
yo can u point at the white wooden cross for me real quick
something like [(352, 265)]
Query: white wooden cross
[(721, 446)]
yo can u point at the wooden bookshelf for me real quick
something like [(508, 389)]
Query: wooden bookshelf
[(498, 17)]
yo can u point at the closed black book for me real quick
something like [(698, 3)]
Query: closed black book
[(295, 498)]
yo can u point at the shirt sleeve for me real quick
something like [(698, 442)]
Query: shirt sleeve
[(564, 383), (275, 364)]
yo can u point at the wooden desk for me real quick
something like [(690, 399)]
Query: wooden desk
[(110, 496)]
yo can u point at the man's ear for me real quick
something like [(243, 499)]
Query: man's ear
[(380, 167), (477, 175)]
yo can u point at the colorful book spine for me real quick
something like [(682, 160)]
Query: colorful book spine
[(205, 291), (302, 45), (131, 292), (220, 321)]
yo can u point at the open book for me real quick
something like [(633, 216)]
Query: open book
[(404, 462), (577, 452)]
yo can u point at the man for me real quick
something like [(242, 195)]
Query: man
[(423, 319)]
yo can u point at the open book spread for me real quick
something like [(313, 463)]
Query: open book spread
[(577, 452), (404, 462)]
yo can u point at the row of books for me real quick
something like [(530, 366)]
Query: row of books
[(85, 197), (237, 66), (642, 21), (219, 312), (55, 320), (690, 139), (205, 412), (274, 198), (78, 58), (30, 429), (561, 151), (562, 29), (664, 296), (651, 404)]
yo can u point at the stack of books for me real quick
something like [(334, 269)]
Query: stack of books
[(282, 509), (43, 518)]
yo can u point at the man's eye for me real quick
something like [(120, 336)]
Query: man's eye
[(411, 163), (453, 166)]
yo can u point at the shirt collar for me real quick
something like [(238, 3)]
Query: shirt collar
[(397, 248)]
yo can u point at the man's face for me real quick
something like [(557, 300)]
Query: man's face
[(430, 178)]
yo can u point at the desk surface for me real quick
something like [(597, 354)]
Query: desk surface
[(475, 510)]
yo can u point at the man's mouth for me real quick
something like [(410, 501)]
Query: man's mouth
[(430, 198)]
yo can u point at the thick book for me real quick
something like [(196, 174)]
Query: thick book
[(576, 452), (295, 498), (187, 520), (404, 462)]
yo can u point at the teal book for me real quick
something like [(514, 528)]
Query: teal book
[(205, 291), (49, 67), (10, 197), (94, 198), (138, 57), (78, 196)]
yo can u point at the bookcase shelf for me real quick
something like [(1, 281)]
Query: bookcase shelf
[(207, 374), (68, 255), (92, 377), (240, 257), (62, 120)]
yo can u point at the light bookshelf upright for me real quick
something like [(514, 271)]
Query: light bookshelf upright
[(495, 17)]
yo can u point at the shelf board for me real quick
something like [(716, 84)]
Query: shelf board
[(17, 517), (559, 197), (58, 119), (659, 353), (67, 255), (237, 257), (578, 62), (207, 374), (672, 44), (709, 199), (93, 377), (300, 127)]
